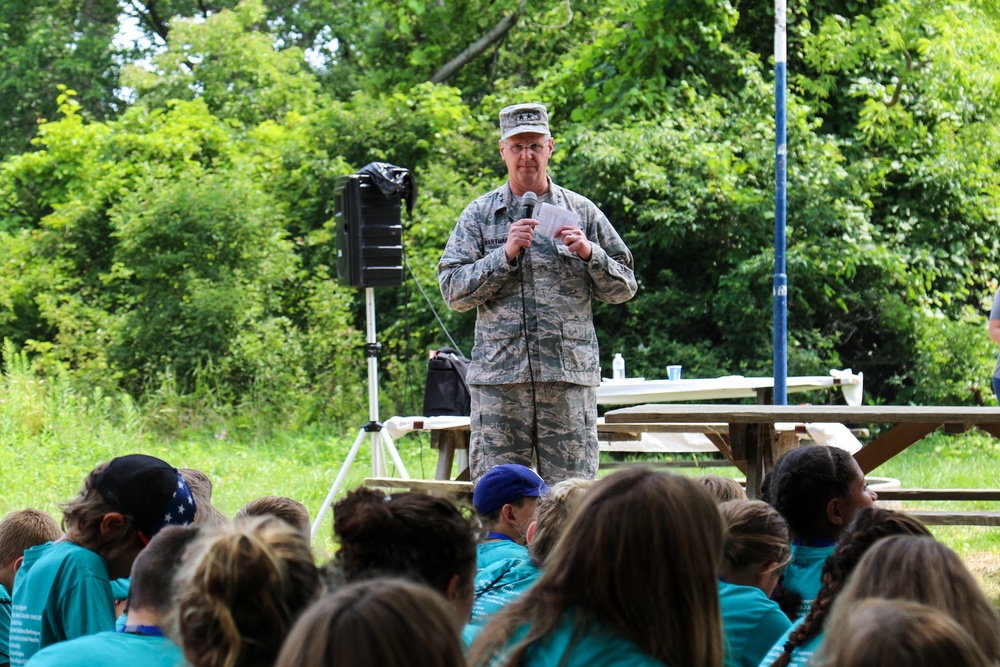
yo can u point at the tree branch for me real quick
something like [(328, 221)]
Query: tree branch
[(895, 95), (892, 101), (480, 45), (148, 15)]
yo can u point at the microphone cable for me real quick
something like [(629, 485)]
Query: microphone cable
[(528, 202), (430, 304)]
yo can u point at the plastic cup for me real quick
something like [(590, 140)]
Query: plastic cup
[(674, 372)]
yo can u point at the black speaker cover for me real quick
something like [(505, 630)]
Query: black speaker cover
[(369, 234)]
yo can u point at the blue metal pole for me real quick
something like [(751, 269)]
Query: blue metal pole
[(780, 197)]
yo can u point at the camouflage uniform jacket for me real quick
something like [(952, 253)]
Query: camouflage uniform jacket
[(558, 287)]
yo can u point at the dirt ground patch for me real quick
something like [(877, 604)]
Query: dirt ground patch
[(985, 566)]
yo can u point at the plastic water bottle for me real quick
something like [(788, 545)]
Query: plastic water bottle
[(618, 367)]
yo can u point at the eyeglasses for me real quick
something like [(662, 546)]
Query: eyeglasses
[(517, 149)]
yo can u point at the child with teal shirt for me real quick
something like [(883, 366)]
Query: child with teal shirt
[(817, 489), (869, 525), (916, 569), (505, 499), (413, 535), (498, 550), (805, 570), (141, 641), (19, 531), (502, 583), (754, 553), (63, 589), (631, 581)]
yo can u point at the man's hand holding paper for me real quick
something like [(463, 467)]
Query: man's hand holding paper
[(563, 225)]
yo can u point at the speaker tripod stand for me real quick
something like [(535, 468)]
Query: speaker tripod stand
[(378, 436)]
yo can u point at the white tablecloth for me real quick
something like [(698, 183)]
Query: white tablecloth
[(637, 391)]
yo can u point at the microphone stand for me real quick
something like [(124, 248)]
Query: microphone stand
[(376, 431)]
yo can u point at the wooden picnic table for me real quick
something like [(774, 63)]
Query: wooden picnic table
[(752, 444)]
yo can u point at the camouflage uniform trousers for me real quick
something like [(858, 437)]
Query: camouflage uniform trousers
[(502, 428)]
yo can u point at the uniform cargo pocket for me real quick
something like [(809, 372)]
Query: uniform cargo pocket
[(579, 346), (499, 346)]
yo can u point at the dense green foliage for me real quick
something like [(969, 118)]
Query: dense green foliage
[(169, 226)]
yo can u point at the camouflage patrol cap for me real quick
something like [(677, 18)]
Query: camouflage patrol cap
[(521, 118)]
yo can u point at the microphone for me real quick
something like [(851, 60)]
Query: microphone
[(528, 202)]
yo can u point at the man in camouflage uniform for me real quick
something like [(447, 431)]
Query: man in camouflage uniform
[(535, 367)]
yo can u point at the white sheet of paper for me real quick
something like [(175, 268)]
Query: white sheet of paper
[(551, 218)]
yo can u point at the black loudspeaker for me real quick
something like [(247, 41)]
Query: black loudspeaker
[(369, 233)]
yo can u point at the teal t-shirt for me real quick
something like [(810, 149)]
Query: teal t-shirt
[(800, 656), (469, 634), (499, 585), (4, 623), (804, 573), (488, 553), (61, 592), (119, 588), (111, 649), (597, 647), (751, 623)]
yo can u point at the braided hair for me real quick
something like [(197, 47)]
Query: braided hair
[(803, 481), (868, 526)]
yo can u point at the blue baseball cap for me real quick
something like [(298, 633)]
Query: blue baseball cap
[(506, 483)]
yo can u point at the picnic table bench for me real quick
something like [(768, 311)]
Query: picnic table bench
[(753, 445)]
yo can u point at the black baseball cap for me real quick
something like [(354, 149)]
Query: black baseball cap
[(148, 490)]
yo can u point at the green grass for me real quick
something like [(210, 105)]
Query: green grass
[(51, 437), (43, 472)]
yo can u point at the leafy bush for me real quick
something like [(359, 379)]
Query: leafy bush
[(954, 361)]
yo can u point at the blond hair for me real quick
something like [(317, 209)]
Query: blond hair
[(756, 534), (924, 570), (552, 514), (652, 539), (888, 633), (241, 591), (22, 529), (206, 514), (869, 525), (723, 489), (288, 510)]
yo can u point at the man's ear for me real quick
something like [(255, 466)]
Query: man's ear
[(112, 522), (529, 534), (17, 566)]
